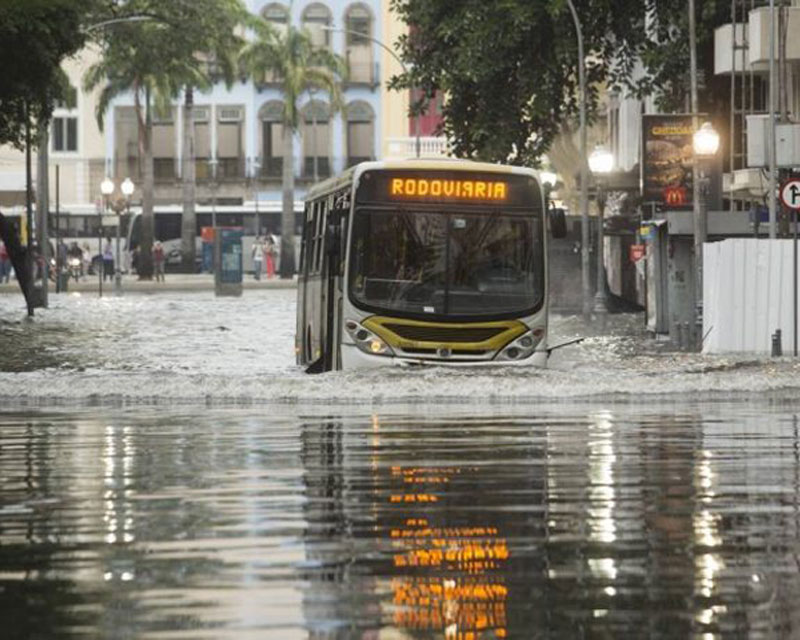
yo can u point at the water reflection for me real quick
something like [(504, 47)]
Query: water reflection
[(588, 522)]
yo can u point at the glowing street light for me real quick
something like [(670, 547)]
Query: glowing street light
[(601, 163), (706, 144)]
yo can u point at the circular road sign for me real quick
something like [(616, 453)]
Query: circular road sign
[(790, 193)]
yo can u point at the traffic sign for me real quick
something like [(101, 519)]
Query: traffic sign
[(636, 252), (790, 193)]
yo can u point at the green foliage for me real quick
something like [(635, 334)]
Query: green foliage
[(509, 68), (35, 37), (184, 43), (290, 56)]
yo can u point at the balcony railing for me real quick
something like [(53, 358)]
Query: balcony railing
[(364, 72), (323, 167), (271, 168), (164, 169), (227, 169), (407, 147)]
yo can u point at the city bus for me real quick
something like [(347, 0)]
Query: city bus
[(424, 262)]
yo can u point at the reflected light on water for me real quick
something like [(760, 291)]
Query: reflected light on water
[(118, 455), (601, 478)]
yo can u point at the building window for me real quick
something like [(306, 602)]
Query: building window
[(277, 14), (230, 142), (360, 133), (65, 123), (271, 117), (315, 17), (65, 134), (316, 140), (358, 22)]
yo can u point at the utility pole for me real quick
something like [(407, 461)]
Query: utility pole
[(585, 276), (698, 208), (772, 151), (43, 205)]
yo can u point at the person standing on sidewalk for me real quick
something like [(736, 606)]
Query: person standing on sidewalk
[(5, 263), (108, 260), (158, 261), (269, 252), (258, 257)]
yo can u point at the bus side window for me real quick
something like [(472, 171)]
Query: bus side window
[(319, 234), (307, 218)]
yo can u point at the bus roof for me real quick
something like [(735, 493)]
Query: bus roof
[(453, 164)]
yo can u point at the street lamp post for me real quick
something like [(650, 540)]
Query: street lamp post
[(417, 143), (118, 206), (127, 188), (706, 144), (601, 162)]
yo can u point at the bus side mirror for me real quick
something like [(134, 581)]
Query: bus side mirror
[(558, 223)]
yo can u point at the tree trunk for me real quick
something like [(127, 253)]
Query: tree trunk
[(188, 224), (43, 204), (287, 215), (145, 261)]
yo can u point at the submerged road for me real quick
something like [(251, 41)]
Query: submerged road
[(167, 472)]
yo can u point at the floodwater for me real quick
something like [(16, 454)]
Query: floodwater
[(167, 472)]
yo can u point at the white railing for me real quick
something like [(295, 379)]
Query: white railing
[(407, 147)]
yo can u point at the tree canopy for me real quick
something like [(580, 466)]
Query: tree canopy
[(509, 68), (35, 37)]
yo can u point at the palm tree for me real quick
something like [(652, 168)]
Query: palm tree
[(290, 56), (155, 61), (132, 65), (217, 46)]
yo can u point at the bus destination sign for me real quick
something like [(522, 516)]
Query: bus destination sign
[(442, 186), (435, 188)]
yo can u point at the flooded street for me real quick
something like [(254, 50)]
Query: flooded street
[(167, 472)]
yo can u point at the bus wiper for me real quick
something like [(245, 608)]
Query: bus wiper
[(550, 350)]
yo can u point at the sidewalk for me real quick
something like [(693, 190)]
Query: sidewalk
[(173, 282)]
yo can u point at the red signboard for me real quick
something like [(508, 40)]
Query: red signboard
[(675, 196), (636, 252)]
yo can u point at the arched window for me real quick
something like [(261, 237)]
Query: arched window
[(270, 117), (277, 15), (358, 23), (315, 17), (360, 133), (316, 133)]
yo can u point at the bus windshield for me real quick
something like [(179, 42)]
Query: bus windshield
[(447, 263)]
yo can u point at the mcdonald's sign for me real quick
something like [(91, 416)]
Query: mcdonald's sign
[(667, 160), (675, 196)]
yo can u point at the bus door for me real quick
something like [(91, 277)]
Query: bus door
[(332, 287)]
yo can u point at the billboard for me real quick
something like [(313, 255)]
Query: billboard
[(667, 160)]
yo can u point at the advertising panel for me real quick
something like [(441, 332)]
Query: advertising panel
[(667, 160)]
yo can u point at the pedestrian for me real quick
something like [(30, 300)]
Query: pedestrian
[(5, 263), (135, 260), (258, 258), (270, 250), (108, 260), (158, 261), (86, 257)]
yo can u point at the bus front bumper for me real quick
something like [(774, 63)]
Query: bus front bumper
[(354, 358)]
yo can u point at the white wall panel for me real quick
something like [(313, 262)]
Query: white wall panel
[(747, 295)]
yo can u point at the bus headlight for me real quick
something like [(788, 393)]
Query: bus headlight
[(522, 347), (366, 340)]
